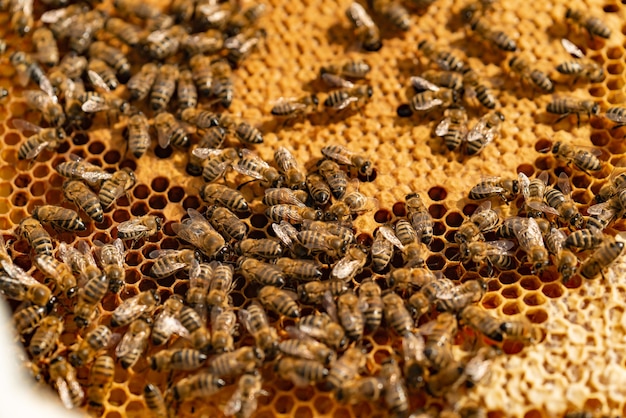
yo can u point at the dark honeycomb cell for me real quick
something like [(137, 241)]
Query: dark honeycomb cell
[(399, 209), (534, 299), (511, 292), (511, 308), (191, 202), (160, 184), (139, 209), (96, 147), (121, 215), (80, 138), (176, 194), (112, 157), (437, 193), (454, 219), (163, 153), (437, 211), (383, 216), (530, 283), (141, 191), (491, 301)]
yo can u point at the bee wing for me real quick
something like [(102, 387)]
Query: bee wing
[(171, 325), (161, 253), (571, 48), (443, 126), (130, 340), (291, 198), (542, 207), (53, 16), (600, 209), (132, 225), (233, 405), (25, 126), (288, 161), (205, 153), (528, 234), (35, 97), (564, 184), (421, 84), (36, 150), (64, 392), (292, 101), (157, 36), (499, 247), (163, 136), (390, 236), (93, 105), (329, 306), (46, 86), (333, 80), (413, 346), (428, 104), (284, 231), (97, 81), (17, 273), (85, 250), (524, 184), (483, 207)]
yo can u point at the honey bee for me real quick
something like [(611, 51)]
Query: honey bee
[(302, 346), (113, 57), (120, 182), (593, 25), (252, 165), (483, 220), (618, 115), (104, 100), (166, 323), (284, 196), (533, 192), (353, 203), (444, 59), (100, 381), (350, 265), (88, 298), (112, 261), (291, 108), (351, 69), (200, 66), (262, 248), (320, 191), (468, 292), (133, 343), (104, 73), (227, 222), (405, 232), (366, 30), (313, 292), (585, 239), (323, 328), (132, 308), (498, 38), (234, 363), (140, 84), (318, 242), (170, 130), (288, 167), (448, 79), (350, 314), (219, 160), (29, 69), (95, 340), (200, 276), (46, 336), (240, 46), (197, 385), (63, 378), (243, 403), (81, 195), (432, 98), (138, 228), (293, 214), (164, 87), (138, 134), (225, 196), (414, 359), (264, 273), (281, 301), (59, 217), (481, 321), (336, 178), (565, 106), (453, 128), (363, 389), (46, 46), (221, 285), (538, 78), (198, 333), (185, 359), (60, 273), (580, 68), (346, 367), (382, 247), (557, 243), (170, 262), (51, 111), (394, 12), (396, 314), (209, 42), (38, 238), (199, 232), (83, 29), (248, 134), (602, 258), (255, 321), (299, 269), (486, 130), (163, 43), (186, 91), (371, 303), (505, 189), (79, 169), (584, 158), (474, 87), (22, 16), (155, 401), (439, 334), (222, 84), (445, 379), (561, 201), (342, 98), (301, 372), (18, 285), (420, 218), (123, 30), (223, 325), (29, 318), (530, 239), (395, 393), (520, 329)]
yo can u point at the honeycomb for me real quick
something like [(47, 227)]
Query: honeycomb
[(578, 364)]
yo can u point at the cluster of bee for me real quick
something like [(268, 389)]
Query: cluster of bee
[(312, 259)]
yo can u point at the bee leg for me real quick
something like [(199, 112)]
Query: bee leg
[(563, 116), (247, 182)]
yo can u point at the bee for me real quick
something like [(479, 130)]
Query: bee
[(533, 192), (38, 238), (453, 128), (474, 87), (133, 343), (382, 247), (352, 69), (89, 296), (505, 189), (120, 182), (618, 115), (561, 201), (186, 91), (225, 196), (221, 284), (234, 363), (104, 100), (60, 273), (320, 191), (49, 108), (281, 301), (22, 16), (263, 248), (111, 258), (248, 134), (81, 195), (321, 242), (209, 42), (293, 214), (483, 220), (252, 165), (79, 169), (439, 334), (58, 217), (163, 43), (299, 269), (530, 239), (288, 167), (445, 379), (140, 84), (486, 130), (285, 196), (366, 30), (433, 97), (301, 372), (197, 385), (113, 57), (202, 74), (29, 318), (392, 11), (219, 159), (348, 266), (346, 367), (63, 378), (421, 220), (104, 73), (444, 59), (586, 239), (481, 321), (557, 243), (433, 78), (222, 84), (185, 359), (323, 328), (166, 323), (405, 232), (291, 108), (351, 315), (565, 106), (170, 130), (395, 394), (100, 381), (46, 336), (372, 304), (264, 273), (199, 232), (132, 308), (313, 292), (498, 38), (170, 262), (227, 222), (593, 25), (83, 30), (585, 159), (363, 389), (468, 292), (123, 30), (396, 314), (46, 46), (29, 69), (603, 257), (16, 284), (138, 228), (336, 178), (164, 87), (243, 402), (240, 46), (414, 359), (586, 69), (95, 340), (200, 276), (198, 333), (520, 329), (342, 98), (44, 138), (223, 325), (255, 321), (155, 401), (72, 65), (353, 203), (138, 134), (538, 78), (302, 346)]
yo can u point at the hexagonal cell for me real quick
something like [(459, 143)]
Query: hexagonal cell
[(283, 404)]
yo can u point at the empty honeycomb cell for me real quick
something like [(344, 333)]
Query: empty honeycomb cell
[(582, 182), (544, 163), (437, 211), (492, 301), (534, 299), (19, 199), (141, 191), (163, 153), (134, 408), (175, 194), (41, 171), (342, 412), (615, 83), (537, 315), (399, 209), (96, 147), (121, 215), (22, 181), (437, 193), (139, 209), (38, 188), (453, 272), (533, 413), (597, 91), (383, 216), (132, 276), (12, 138), (435, 262), (511, 292), (80, 138), (323, 404), (113, 414), (439, 228), (160, 184), (530, 283), (191, 202), (7, 172), (454, 219), (509, 277), (511, 308), (109, 302), (112, 157), (117, 396)]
